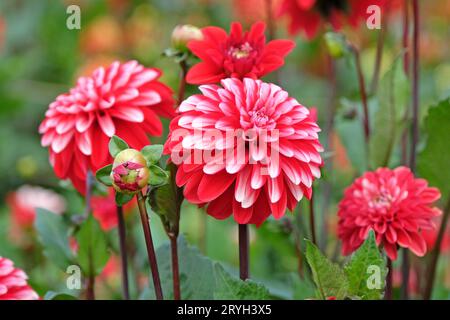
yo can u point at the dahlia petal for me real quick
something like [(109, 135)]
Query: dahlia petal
[(241, 215), (417, 244), (106, 124), (279, 208), (61, 141), (84, 142), (131, 114), (203, 73), (212, 186), (144, 77), (221, 208), (391, 250), (84, 121)]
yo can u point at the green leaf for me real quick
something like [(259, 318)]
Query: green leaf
[(329, 278), (351, 133), (230, 288), (51, 295), (434, 160), (53, 234), (366, 272), (116, 145), (158, 177), (196, 273), (123, 198), (152, 153), (163, 202), (104, 175), (393, 96), (92, 247)]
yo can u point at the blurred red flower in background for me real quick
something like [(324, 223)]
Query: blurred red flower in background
[(309, 16), (431, 237), (104, 209), (24, 201), (240, 54), (13, 283), (395, 204), (257, 184), (124, 99)]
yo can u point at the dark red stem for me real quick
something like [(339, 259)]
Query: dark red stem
[(175, 268), (431, 272), (243, 251), (123, 253), (150, 248), (415, 86), (362, 89), (388, 290)]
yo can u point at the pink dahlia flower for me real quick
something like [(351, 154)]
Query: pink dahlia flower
[(240, 54), (13, 283), (124, 99), (395, 204), (24, 201), (246, 149)]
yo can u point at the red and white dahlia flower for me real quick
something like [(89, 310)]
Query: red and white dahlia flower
[(395, 204), (124, 99), (13, 283), (239, 55), (246, 149)]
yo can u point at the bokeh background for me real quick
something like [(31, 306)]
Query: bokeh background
[(40, 58)]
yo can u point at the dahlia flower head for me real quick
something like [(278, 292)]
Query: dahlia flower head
[(238, 55), (309, 16), (13, 283), (25, 200), (395, 204), (244, 148), (124, 99)]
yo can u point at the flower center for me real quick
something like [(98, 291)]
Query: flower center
[(382, 200), (261, 120), (242, 51)]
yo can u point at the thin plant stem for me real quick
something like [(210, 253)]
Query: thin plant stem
[(175, 268), (415, 86), (362, 89), (243, 251), (123, 253), (388, 290), (88, 194), (329, 127), (431, 271), (312, 223), (379, 54), (405, 274), (149, 243), (182, 85), (90, 287), (405, 37)]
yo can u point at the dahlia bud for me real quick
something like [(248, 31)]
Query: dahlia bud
[(182, 34), (129, 172)]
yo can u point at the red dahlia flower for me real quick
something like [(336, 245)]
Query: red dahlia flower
[(123, 99), (309, 16), (393, 203), (236, 55), (246, 149), (13, 283)]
